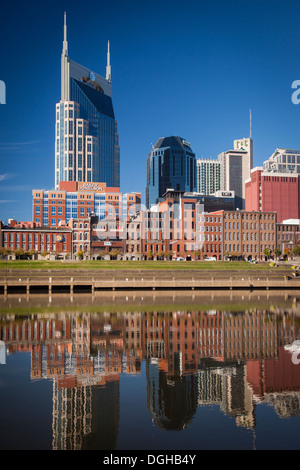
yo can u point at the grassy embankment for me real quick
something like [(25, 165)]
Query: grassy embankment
[(142, 265)]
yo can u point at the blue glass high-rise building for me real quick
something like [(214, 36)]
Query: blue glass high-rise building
[(87, 143), (170, 165)]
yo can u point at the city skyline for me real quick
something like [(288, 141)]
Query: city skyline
[(194, 73)]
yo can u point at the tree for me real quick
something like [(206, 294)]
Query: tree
[(267, 252), (197, 254), (169, 254), (277, 252), (296, 250), (115, 252), (44, 253), (100, 253), (80, 255), (32, 253), (160, 255), (4, 252), (18, 253)]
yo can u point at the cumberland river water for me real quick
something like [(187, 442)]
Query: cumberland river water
[(176, 371)]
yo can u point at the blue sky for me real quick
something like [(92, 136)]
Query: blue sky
[(187, 68)]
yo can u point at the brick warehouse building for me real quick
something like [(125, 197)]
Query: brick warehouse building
[(31, 239), (179, 227), (175, 227), (249, 234)]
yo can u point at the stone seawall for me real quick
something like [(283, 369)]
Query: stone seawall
[(85, 281)]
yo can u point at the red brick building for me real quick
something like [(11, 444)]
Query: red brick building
[(273, 192), (29, 239)]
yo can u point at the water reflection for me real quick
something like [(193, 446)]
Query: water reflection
[(191, 359)]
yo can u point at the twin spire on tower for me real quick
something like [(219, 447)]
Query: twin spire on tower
[(65, 50), (65, 43), (108, 69)]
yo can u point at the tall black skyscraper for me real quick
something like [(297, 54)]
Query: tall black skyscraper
[(170, 164)]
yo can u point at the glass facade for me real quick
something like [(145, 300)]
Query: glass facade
[(171, 164), (87, 142)]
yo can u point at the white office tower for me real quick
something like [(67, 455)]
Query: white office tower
[(208, 176), (283, 161), (236, 166)]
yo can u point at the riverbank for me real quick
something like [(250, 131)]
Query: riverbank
[(89, 277), (141, 265)]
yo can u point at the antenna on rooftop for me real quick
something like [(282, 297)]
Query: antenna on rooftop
[(250, 124)]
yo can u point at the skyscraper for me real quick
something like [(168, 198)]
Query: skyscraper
[(208, 175), (170, 165), (87, 142), (236, 166)]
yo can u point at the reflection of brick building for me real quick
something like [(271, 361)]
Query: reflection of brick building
[(251, 335), (210, 335), (204, 357), (277, 381)]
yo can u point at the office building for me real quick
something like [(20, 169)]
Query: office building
[(79, 200), (283, 161), (273, 192), (171, 164), (208, 176), (86, 137), (236, 166)]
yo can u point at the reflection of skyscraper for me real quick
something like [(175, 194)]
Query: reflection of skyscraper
[(105, 419), (85, 417), (70, 421), (171, 403), (87, 147), (2, 353)]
